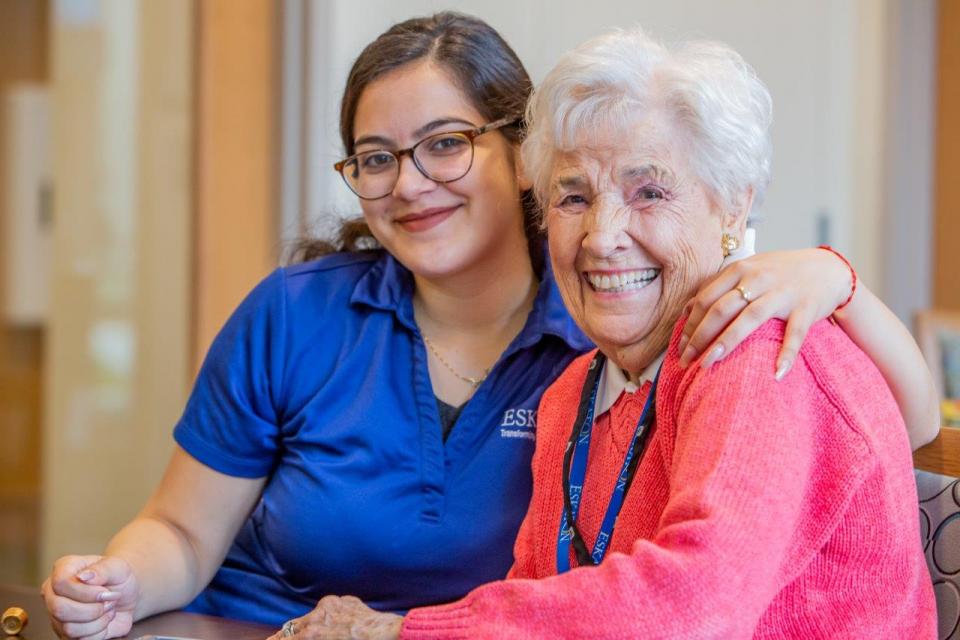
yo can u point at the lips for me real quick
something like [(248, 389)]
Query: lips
[(425, 219)]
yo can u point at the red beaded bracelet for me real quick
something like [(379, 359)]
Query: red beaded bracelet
[(853, 274)]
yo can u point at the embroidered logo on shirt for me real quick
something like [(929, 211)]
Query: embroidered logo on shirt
[(519, 423)]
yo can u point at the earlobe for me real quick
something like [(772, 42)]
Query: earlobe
[(526, 184)]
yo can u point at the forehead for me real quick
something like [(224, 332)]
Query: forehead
[(649, 143), (408, 97)]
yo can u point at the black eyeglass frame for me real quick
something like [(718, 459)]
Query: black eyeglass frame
[(470, 134)]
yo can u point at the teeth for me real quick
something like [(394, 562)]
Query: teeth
[(624, 281)]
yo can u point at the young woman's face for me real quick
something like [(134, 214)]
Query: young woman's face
[(435, 229)]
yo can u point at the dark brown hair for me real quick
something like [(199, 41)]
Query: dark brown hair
[(482, 65)]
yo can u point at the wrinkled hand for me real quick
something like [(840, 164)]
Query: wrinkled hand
[(91, 597), (800, 287), (343, 618)]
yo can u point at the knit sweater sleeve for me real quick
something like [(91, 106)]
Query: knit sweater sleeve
[(759, 472)]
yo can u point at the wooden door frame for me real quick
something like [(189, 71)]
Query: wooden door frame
[(236, 170)]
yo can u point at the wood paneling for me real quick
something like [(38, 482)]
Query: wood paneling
[(23, 58), (946, 292), (23, 40), (942, 455), (237, 89)]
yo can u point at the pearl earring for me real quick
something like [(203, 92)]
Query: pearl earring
[(729, 244)]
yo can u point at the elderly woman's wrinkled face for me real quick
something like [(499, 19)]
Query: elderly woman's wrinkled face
[(633, 233)]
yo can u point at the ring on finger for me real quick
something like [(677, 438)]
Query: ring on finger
[(288, 629), (745, 293)]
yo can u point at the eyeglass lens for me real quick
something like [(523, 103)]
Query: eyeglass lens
[(443, 157)]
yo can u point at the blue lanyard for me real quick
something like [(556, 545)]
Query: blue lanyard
[(575, 471)]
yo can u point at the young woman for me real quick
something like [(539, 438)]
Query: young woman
[(364, 422)]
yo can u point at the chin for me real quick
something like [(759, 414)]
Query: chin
[(617, 334), (431, 260)]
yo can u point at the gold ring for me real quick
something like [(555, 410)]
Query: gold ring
[(745, 293), (288, 629)]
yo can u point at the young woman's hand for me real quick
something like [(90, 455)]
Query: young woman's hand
[(801, 287), (91, 597)]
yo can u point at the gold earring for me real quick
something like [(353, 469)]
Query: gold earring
[(729, 244)]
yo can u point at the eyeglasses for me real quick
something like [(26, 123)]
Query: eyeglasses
[(442, 157)]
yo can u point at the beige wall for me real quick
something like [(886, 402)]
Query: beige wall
[(118, 359)]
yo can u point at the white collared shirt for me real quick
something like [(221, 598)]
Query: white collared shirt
[(613, 381)]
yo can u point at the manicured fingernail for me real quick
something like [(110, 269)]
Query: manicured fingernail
[(715, 354), (782, 369), (84, 576), (109, 606), (689, 355), (683, 342), (104, 596)]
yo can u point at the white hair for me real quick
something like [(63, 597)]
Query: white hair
[(607, 82)]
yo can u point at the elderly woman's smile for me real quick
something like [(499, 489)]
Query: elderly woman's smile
[(621, 282), (632, 232)]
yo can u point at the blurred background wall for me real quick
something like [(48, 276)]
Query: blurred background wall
[(190, 141), (117, 357), (24, 66)]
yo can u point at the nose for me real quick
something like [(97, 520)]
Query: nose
[(411, 183), (605, 228)]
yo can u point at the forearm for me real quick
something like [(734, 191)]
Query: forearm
[(181, 536), (881, 335), (167, 566)]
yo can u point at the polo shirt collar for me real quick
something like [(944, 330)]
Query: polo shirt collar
[(550, 316), (388, 286), (614, 382)]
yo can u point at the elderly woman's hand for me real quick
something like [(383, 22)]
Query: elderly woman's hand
[(800, 287), (342, 618)]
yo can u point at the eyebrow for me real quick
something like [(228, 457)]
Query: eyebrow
[(431, 126), (655, 171), (570, 182)]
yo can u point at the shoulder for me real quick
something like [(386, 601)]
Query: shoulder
[(572, 377), (562, 397), (338, 270), (832, 381), (331, 283), (343, 261), (315, 294)]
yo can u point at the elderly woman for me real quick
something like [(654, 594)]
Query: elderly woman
[(674, 501)]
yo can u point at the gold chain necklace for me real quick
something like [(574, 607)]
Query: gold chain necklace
[(474, 382)]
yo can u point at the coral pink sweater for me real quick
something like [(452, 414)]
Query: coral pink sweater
[(760, 509)]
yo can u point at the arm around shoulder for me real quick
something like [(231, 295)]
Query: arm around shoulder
[(881, 335)]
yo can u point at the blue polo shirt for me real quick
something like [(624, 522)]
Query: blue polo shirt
[(319, 381)]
